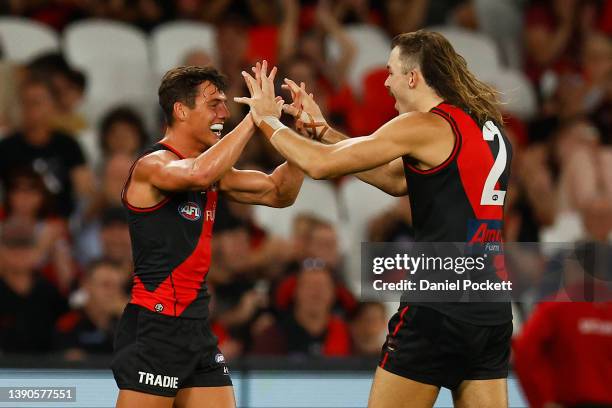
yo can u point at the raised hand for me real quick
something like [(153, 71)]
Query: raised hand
[(309, 119), (262, 102)]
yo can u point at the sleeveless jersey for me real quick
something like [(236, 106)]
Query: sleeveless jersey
[(171, 247), (462, 199)]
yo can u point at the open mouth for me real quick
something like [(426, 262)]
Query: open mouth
[(217, 128)]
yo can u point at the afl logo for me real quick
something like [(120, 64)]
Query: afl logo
[(190, 211)]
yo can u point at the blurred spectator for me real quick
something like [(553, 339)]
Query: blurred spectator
[(554, 32), (562, 357), (54, 155), (368, 328), (28, 203), (394, 224), (310, 328), (29, 305), (69, 85), (122, 131), (197, 58), (9, 78), (90, 328), (88, 223)]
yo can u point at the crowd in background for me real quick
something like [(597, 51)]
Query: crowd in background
[(65, 255)]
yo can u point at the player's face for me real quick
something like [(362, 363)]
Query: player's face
[(209, 113), (398, 83)]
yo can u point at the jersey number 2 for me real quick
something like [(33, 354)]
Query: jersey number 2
[(491, 196)]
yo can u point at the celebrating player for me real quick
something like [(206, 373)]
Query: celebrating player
[(447, 152), (165, 352)]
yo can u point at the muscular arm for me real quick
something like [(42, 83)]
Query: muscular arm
[(388, 177), (415, 133), (195, 173), (278, 189)]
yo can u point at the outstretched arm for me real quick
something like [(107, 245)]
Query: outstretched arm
[(388, 177), (279, 189)]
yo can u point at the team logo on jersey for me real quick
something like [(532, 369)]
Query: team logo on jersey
[(219, 358), (190, 211), (159, 308), (482, 231)]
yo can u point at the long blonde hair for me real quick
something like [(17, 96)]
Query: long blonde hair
[(446, 72)]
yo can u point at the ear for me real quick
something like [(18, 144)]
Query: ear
[(180, 111), (413, 78)]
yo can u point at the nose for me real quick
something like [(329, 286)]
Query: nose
[(387, 82), (223, 111)]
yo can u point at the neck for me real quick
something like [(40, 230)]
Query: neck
[(98, 316), (313, 323), (37, 135), (428, 101), (183, 142)]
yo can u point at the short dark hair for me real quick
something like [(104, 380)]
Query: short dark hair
[(122, 114), (181, 85)]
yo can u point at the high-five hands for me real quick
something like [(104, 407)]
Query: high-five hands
[(308, 117), (262, 102)]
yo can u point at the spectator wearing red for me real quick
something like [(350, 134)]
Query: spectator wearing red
[(563, 356), (310, 328)]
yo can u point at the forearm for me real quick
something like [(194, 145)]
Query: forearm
[(381, 177), (288, 179), (301, 152), (220, 158)]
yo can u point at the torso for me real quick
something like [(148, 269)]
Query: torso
[(462, 199), (171, 245)]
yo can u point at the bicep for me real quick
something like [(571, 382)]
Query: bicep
[(169, 175)]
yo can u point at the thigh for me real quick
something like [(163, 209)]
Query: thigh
[(130, 398), (205, 397), (482, 394), (393, 391)]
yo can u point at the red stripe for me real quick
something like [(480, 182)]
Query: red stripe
[(146, 209), (474, 163), (382, 365), (172, 149), (395, 330), (456, 145), (399, 325), (183, 284)]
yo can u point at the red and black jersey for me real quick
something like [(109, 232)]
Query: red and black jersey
[(462, 199), (171, 246)]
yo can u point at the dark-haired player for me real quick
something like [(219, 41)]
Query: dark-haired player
[(165, 352)]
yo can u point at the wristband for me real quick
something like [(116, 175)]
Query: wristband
[(269, 125)]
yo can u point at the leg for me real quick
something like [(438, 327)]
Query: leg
[(205, 397), (129, 398), (481, 394), (393, 391)]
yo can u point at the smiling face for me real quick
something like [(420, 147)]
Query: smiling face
[(208, 114), (401, 82)]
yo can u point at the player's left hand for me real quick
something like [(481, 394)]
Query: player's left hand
[(262, 102)]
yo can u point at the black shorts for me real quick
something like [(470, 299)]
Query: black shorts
[(159, 354), (429, 347)]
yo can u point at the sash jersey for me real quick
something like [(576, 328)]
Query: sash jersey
[(171, 246), (462, 200)]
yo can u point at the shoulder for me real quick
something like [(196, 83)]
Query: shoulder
[(152, 162), (419, 120)]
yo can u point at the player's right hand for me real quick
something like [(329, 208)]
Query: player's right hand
[(262, 102)]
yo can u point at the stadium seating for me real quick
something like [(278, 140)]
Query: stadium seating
[(315, 197), (115, 59), (517, 94), (23, 39), (171, 42), (372, 52)]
